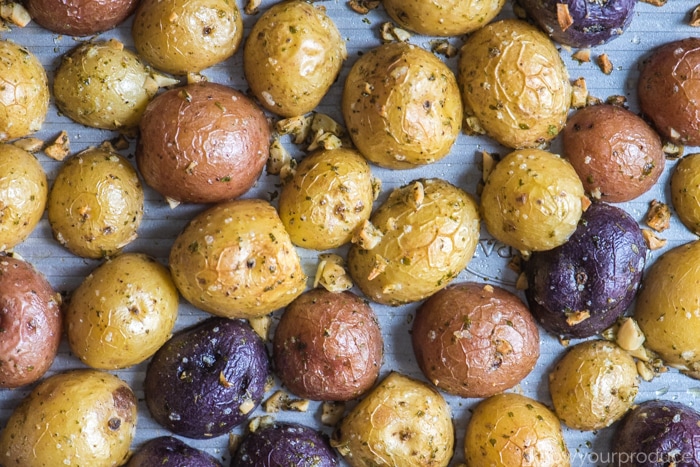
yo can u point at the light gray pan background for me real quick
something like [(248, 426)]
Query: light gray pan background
[(650, 27)]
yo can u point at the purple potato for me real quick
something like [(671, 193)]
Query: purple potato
[(207, 379), (581, 287), (591, 22), (167, 451), (658, 433), (282, 444)]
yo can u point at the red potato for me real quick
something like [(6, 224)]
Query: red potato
[(80, 17)]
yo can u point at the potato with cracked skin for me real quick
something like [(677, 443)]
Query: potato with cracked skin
[(509, 429), (401, 106), (292, 56), (514, 84), (445, 18), (236, 260), (96, 203), (328, 346), (31, 323), (80, 17), (24, 92), (424, 234), (475, 340), (23, 190), (593, 385)]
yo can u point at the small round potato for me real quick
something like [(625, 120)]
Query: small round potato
[(509, 429), (444, 18), (328, 198), (475, 340), (669, 93), (23, 191), (24, 92), (401, 106), (78, 417), (423, 235), (186, 36), (402, 421), (80, 17), (236, 260), (593, 385), (514, 84), (95, 205), (615, 153), (122, 312), (328, 346), (202, 143), (685, 191), (169, 451), (31, 323), (103, 85), (532, 200), (292, 56)]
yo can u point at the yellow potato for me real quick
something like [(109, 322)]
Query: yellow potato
[(685, 191), (443, 18)]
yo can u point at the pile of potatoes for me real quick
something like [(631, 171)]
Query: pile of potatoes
[(350, 234)]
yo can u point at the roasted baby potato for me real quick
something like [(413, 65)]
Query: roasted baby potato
[(532, 200), (24, 190), (80, 17), (402, 421), (446, 18), (292, 56), (78, 417), (510, 429), (328, 346), (122, 312), (103, 85), (593, 385), (401, 106), (423, 235), (236, 260), (327, 199), (207, 379), (186, 36), (514, 84), (202, 143), (168, 451), (95, 204), (685, 191), (31, 323), (475, 340), (24, 92)]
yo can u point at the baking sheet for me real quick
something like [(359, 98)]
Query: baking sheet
[(650, 27)]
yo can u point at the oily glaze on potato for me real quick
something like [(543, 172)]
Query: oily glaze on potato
[(31, 323), (24, 92), (593, 385), (95, 204), (617, 155), (23, 190), (475, 340), (328, 346), (168, 451), (532, 200), (445, 18), (514, 84), (510, 429), (122, 312), (186, 36), (402, 421), (236, 260), (401, 106), (327, 199), (78, 417), (685, 191), (202, 143), (292, 56), (426, 233), (80, 17)]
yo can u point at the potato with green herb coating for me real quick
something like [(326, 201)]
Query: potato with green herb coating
[(423, 235), (292, 56), (685, 191), (444, 18), (401, 106), (514, 84), (95, 205), (402, 421), (236, 260), (327, 199)]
